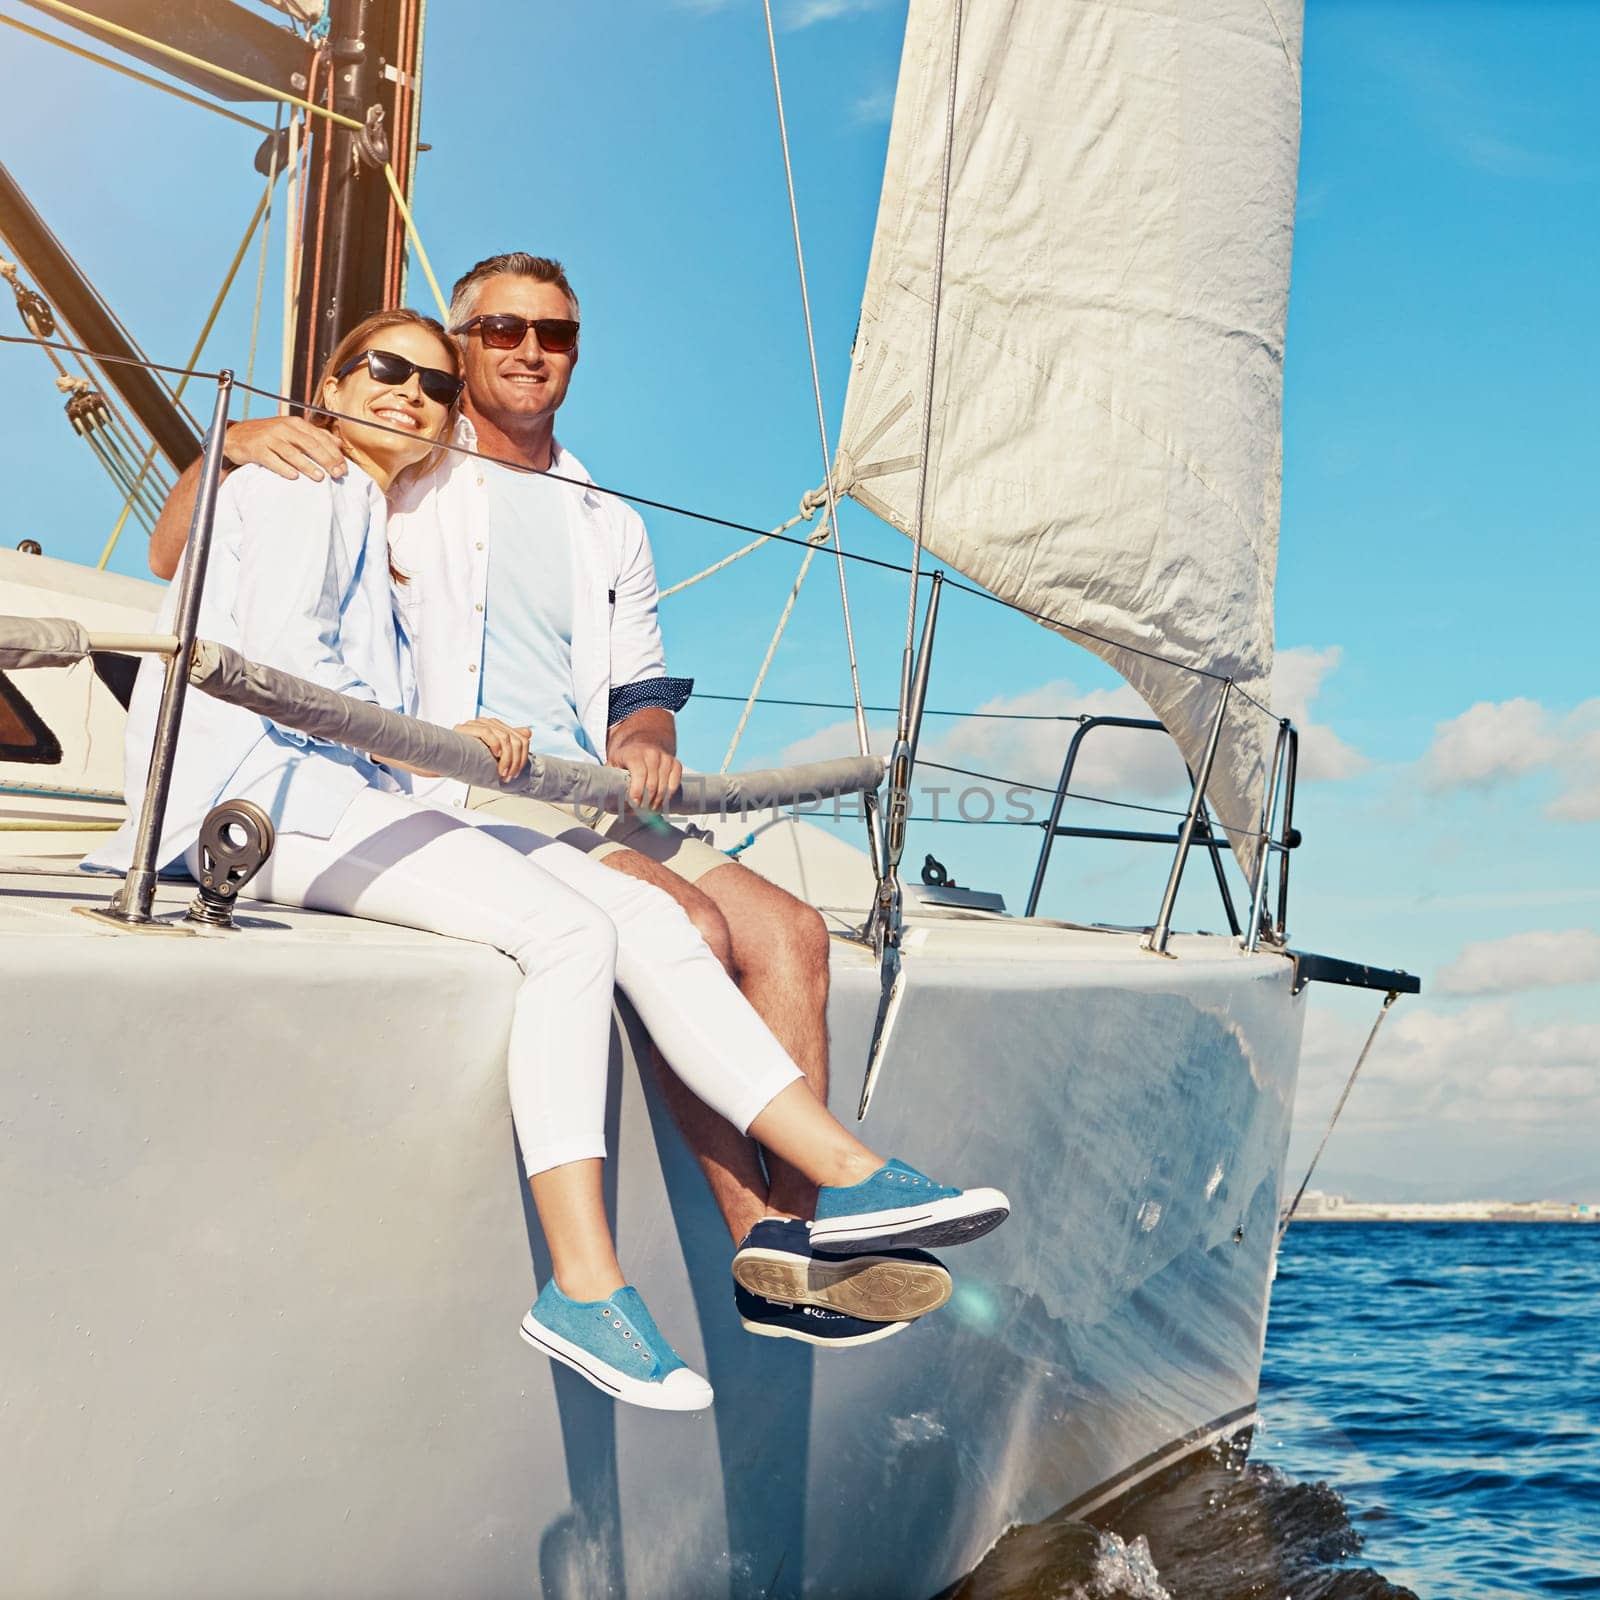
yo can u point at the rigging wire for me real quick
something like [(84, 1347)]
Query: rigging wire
[(816, 384), (764, 535), (138, 77), (766, 663), (160, 47), (841, 705), (926, 438), (308, 377), (261, 265), (266, 92), (1350, 1083), (194, 355), (809, 503)]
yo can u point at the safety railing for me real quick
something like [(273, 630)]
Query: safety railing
[(1196, 827)]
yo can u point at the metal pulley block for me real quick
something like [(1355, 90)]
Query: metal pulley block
[(372, 143), (235, 840)]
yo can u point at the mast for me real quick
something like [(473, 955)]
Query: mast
[(353, 249)]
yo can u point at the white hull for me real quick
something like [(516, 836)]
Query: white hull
[(267, 1252)]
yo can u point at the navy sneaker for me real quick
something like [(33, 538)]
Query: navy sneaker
[(776, 1262), (899, 1206), (828, 1330)]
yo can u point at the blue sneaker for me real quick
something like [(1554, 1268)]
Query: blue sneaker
[(900, 1206), (616, 1345), (776, 1262), (828, 1330)]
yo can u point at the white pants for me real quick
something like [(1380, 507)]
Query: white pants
[(575, 928)]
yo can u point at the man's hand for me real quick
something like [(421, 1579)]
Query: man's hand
[(288, 446), (653, 772), (508, 745)]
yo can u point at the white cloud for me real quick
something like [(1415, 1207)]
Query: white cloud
[(1543, 959), (792, 15), (1496, 742), (1489, 743), (876, 107), (803, 13), (836, 740), (1297, 678), (1479, 1066)]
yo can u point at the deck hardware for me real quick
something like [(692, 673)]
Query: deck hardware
[(235, 840), (886, 922), (130, 905)]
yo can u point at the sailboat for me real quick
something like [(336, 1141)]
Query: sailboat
[(261, 1315)]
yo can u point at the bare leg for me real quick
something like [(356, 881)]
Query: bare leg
[(572, 1212), (730, 1161), (797, 1127), (780, 949)]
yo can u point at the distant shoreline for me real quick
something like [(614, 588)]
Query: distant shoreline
[(1358, 1214), (1318, 1206)]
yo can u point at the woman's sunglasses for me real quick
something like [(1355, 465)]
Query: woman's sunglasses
[(384, 366), (503, 331)]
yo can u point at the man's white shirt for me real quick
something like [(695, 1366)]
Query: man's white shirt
[(440, 536)]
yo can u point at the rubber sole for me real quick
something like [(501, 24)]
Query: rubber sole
[(872, 1287), (653, 1396), (957, 1220), (887, 1330)]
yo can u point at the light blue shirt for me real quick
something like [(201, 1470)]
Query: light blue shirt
[(527, 625), (298, 579)]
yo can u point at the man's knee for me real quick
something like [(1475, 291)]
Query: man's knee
[(785, 935)]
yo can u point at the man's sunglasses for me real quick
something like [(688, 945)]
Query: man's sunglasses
[(384, 366), (501, 330)]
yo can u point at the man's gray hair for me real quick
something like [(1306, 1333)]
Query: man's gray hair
[(515, 264)]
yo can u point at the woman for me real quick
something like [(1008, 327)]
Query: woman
[(299, 579)]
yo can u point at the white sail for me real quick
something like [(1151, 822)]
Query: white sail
[(1106, 426)]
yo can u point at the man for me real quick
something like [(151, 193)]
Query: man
[(533, 600)]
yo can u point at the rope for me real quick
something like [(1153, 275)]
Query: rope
[(766, 663), (841, 705), (1350, 1083), (308, 377), (295, 189), (933, 355), (29, 825), (138, 77), (194, 356), (264, 90), (816, 387), (808, 509), (261, 265), (416, 242)]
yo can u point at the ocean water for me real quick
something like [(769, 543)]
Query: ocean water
[(1430, 1408)]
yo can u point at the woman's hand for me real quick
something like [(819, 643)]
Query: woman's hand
[(509, 746)]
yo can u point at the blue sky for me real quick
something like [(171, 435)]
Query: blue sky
[(1437, 568)]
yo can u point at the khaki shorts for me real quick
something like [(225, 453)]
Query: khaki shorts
[(657, 838)]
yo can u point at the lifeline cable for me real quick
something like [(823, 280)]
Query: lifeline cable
[(707, 517), (1350, 1083)]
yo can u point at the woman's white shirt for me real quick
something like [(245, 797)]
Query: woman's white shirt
[(298, 579)]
